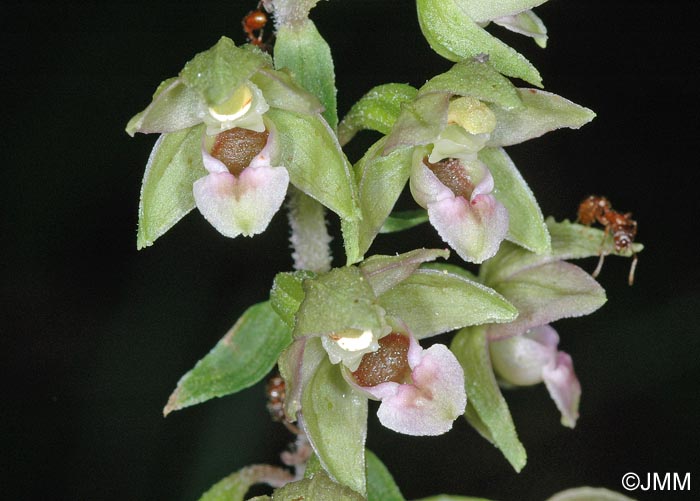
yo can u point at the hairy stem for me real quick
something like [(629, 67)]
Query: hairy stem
[(310, 239)]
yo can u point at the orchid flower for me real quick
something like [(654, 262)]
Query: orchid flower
[(421, 391), (532, 358), (456, 187)]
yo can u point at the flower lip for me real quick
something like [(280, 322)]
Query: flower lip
[(451, 173), (236, 148), (389, 363)]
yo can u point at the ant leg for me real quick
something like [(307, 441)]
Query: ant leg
[(633, 267), (598, 268)]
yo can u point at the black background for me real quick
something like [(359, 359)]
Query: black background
[(95, 335)]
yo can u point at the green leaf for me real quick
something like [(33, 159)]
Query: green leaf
[(486, 10), (174, 107), (380, 483), (376, 110), (432, 302), (287, 294), (546, 293), (302, 49), (282, 92), (242, 358), (217, 72), (316, 164), (335, 420), (166, 192), (476, 79), (404, 220), (589, 494), (526, 224), (235, 486), (380, 179), (384, 272), (569, 241), (420, 122), (470, 346), (318, 488), (541, 112), (454, 35), (336, 302)]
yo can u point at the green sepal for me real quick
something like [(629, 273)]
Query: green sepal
[(242, 358), (380, 181), (217, 72), (309, 150), (540, 113), (384, 272), (235, 486), (287, 294), (450, 268), (174, 107), (470, 346), (282, 92), (477, 79), (526, 23), (482, 11), (526, 225), (318, 488), (589, 494), (377, 110), (380, 483), (404, 220), (431, 302), (569, 241), (336, 302), (335, 421), (313, 466), (455, 36), (420, 122), (301, 49), (166, 192), (297, 365)]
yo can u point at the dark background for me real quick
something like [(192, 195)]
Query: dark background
[(95, 335)]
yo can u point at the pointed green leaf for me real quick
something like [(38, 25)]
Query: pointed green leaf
[(471, 349), (301, 49), (380, 179), (287, 294), (316, 164), (589, 494), (541, 112), (242, 358), (546, 293), (486, 10), (235, 486), (384, 272), (432, 302), (404, 220), (217, 72), (569, 241), (282, 92), (376, 110), (174, 107), (420, 122), (166, 192), (336, 302), (318, 488), (335, 420), (380, 483), (477, 79), (455, 36), (526, 223)]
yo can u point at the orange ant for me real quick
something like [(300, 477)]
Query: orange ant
[(622, 226), (254, 21)]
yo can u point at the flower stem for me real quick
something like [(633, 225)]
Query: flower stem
[(310, 239)]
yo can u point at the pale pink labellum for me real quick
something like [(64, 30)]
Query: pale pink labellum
[(244, 204), (434, 398), (532, 358)]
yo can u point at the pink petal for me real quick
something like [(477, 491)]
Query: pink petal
[(435, 399), (473, 229), (563, 387), (519, 360)]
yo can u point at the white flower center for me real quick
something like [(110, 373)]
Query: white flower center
[(235, 106), (356, 343)]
